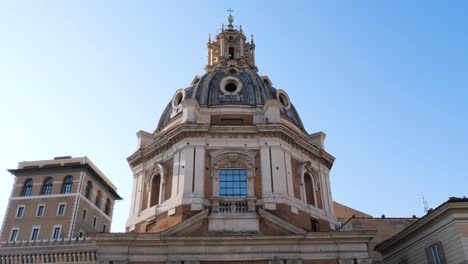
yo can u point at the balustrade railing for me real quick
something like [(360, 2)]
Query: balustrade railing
[(55, 251), (232, 206)]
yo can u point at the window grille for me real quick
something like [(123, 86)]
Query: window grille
[(233, 183)]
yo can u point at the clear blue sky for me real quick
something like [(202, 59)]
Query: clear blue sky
[(386, 81)]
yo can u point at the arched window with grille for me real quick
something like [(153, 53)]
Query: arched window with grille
[(67, 184), (97, 202), (107, 206), (89, 188), (47, 186), (27, 187)]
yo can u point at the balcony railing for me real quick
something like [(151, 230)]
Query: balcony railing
[(232, 206)]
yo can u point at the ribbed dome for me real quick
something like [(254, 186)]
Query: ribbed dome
[(251, 90)]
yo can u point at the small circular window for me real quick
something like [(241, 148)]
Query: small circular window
[(283, 98), (178, 98), (231, 85)]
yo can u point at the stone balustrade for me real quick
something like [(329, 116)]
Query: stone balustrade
[(232, 206), (49, 251)]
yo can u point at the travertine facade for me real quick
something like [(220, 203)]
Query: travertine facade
[(230, 175)]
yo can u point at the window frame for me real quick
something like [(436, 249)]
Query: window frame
[(230, 183), (27, 187), (47, 186), (89, 189), (315, 177), (43, 210), (22, 212), (85, 214), (59, 232), (97, 201), (17, 229), (38, 228), (435, 253), (107, 206), (156, 192), (94, 221), (233, 159), (64, 209), (67, 185)]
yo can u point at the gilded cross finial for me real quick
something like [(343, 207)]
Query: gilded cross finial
[(230, 18)]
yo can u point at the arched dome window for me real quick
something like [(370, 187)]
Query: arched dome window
[(97, 202), (155, 189), (312, 190), (27, 187), (47, 186), (283, 97), (309, 189), (67, 184), (178, 98), (89, 188), (156, 185)]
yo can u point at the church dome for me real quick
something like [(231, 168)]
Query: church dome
[(233, 87)]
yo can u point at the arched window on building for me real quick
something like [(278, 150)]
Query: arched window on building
[(155, 189), (67, 184), (107, 207), (89, 188), (47, 186), (97, 202), (27, 187), (233, 181), (309, 189), (231, 53)]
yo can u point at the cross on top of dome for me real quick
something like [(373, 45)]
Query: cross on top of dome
[(230, 17)]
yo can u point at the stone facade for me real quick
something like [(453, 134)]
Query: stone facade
[(385, 228), (441, 236)]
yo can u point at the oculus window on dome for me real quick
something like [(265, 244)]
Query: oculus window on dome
[(178, 98), (233, 183), (231, 85), (283, 97)]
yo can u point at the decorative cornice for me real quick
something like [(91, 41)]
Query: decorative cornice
[(169, 138)]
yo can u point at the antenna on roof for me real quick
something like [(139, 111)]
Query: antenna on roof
[(426, 207)]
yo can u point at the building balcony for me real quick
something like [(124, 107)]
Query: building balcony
[(233, 215)]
